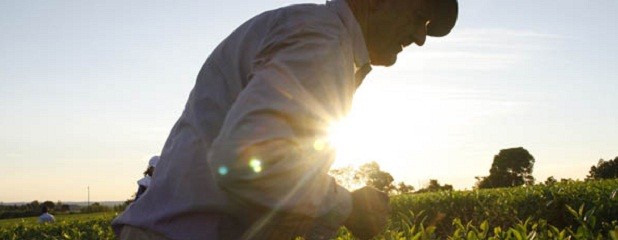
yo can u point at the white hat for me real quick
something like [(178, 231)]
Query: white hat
[(153, 161)]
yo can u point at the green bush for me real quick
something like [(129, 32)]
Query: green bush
[(98, 228), (507, 207), (571, 210)]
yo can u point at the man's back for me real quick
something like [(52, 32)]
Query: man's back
[(46, 218), (185, 199)]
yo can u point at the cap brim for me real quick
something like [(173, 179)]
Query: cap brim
[(444, 16)]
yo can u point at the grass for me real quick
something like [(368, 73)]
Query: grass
[(570, 210), (5, 223)]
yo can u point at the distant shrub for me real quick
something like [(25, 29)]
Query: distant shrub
[(18, 214), (506, 207)]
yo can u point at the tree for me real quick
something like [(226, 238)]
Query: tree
[(511, 167), (124, 205), (34, 206), (604, 170), (375, 177), (434, 186), (95, 207), (65, 208), (368, 174), (347, 177), (550, 181), (403, 188), (50, 205)]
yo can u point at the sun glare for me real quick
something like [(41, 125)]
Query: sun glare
[(409, 132), (378, 130), (340, 133), (347, 141), (361, 139)]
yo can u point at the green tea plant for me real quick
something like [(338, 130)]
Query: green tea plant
[(507, 207), (98, 228), (562, 211)]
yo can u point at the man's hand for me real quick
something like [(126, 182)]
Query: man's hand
[(370, 212)]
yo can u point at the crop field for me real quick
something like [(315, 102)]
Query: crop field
[(31, 221), (70, 226), (570, 210)]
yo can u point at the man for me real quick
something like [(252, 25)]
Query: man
[(248, 158), (45, 217)]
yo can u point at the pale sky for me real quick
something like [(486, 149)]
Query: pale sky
[(90, 90)]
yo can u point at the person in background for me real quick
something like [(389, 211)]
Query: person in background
[(144, 183), (45, 216), (249, 156)]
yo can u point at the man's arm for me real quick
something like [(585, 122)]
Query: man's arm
[(272, 150)]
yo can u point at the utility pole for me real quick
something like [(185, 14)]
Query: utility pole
[(88, 195)]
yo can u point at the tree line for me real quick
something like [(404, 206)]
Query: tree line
[(370, 174), (33, 209), (511, 167)]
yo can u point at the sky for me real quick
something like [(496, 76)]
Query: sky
[(89, 91)]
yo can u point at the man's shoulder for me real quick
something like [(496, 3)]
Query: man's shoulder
[(46, 217), (308, 15)]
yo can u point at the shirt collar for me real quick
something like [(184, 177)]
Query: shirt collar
[(361, 55)]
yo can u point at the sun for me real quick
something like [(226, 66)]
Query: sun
[(339, 133), (363, 137), (408, 133), (378, 130)]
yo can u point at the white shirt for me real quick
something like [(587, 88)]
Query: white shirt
[(46, 217), (253, 128)]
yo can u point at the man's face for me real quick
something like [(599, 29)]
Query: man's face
[(395, 24)]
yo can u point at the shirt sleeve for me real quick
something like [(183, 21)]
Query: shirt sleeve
[(273, 148)]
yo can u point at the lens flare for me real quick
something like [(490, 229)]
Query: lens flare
[(256, 165), (223, 170), (319, 145)]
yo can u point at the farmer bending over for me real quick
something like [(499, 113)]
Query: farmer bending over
[(248, 158)]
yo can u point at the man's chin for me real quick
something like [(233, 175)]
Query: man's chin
[(385, 61)]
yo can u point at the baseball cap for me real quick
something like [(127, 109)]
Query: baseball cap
[(444, 16)]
